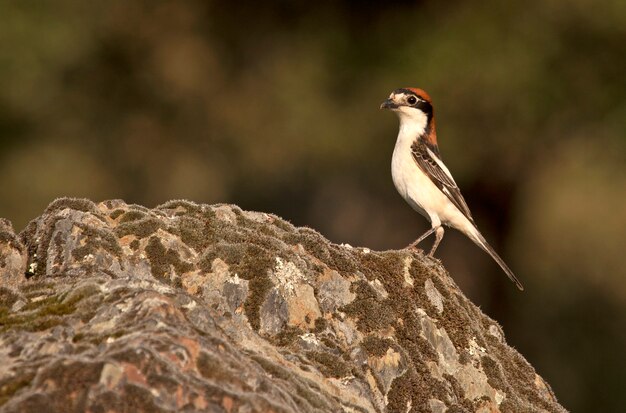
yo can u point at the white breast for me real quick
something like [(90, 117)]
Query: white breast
[(415, 186)]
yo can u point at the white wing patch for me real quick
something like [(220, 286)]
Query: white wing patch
[(439, 174), (441, 165)]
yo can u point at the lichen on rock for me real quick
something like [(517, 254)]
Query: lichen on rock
[(189, 307)]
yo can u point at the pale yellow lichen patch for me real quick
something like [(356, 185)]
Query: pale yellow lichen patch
[(287, 275), (110, 375), (408, 279), (390, 359)]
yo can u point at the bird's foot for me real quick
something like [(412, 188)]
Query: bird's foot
[(412, 249), (432, 258)]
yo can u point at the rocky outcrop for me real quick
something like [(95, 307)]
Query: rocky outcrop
[(112, 307)]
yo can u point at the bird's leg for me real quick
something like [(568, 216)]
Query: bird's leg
[(423, 237), (438, 238)]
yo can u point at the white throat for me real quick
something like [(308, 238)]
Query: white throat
[(412, 124)]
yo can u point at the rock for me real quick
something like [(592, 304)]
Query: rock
[(185, 307), (12, 256)]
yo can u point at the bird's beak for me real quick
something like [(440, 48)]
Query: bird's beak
[(388, 104)]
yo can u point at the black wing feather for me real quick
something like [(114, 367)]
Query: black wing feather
[(439, 177)]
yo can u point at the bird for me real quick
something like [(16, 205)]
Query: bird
[(423, 180)]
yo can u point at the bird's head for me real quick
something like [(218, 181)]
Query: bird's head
[(412, 105)]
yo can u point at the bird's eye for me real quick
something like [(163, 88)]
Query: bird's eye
[(412, 100)]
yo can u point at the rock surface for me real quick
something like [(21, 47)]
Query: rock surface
[(112, 307)]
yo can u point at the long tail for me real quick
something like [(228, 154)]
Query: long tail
[(481, 242)]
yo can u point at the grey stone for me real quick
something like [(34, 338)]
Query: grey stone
[(187, 307)]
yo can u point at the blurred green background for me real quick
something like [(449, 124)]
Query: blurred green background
[(274, 107)]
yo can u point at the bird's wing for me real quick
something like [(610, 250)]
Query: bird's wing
[(435, 169)]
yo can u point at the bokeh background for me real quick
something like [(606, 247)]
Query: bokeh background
[(274, 107)]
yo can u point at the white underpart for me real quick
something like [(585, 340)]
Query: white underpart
[(415, 186)]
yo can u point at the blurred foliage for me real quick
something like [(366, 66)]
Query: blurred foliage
[(274, 107)]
